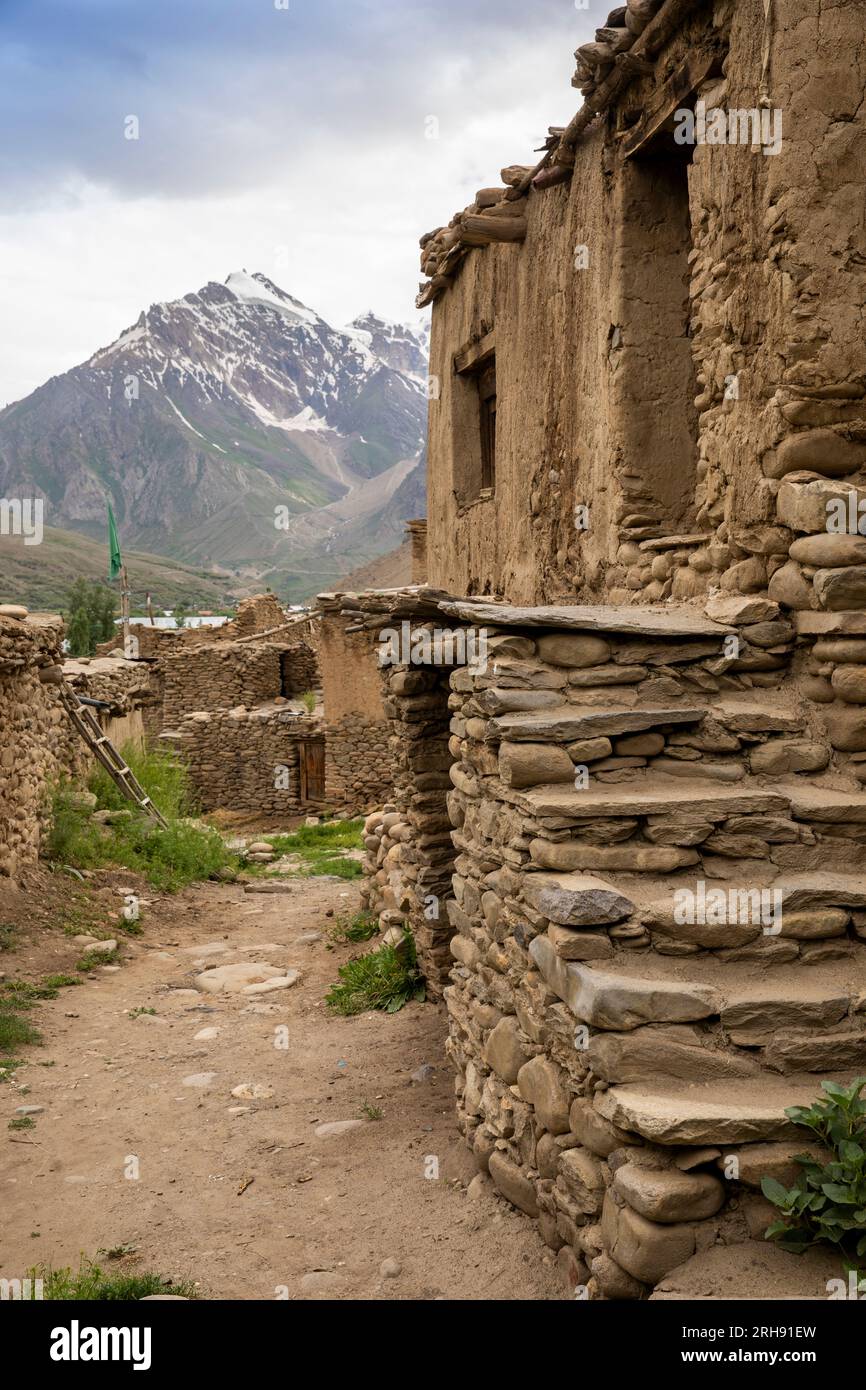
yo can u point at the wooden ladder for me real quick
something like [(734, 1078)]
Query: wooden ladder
[(88, 726)]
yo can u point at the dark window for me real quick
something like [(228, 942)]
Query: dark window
[(487, 413)]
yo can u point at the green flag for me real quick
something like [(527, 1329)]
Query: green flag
[(114, 560)]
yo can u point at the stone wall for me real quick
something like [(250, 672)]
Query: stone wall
[(222, 675), (408, 842), (245, 759), (31, 735), (624, 1066), (358, 770)]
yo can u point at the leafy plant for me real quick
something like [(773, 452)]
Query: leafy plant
[(308, 700), (828, 1202), (384, 979), (22, 1122)]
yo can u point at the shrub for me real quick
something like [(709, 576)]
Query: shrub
[(828, 1202), (384, 979), (308, 700)]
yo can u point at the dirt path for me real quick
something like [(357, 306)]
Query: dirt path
[(317, 1216)]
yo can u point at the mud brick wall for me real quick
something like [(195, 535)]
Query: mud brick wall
[(358, 770), (241, 760), (679, 431), (31, 736)]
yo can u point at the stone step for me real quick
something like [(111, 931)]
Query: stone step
[(701, 800), (821, 804), (645, 621), (712, 1113), (627, 992), (764, 1272), (566, 723)]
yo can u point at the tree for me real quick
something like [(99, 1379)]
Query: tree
[(89, 616)]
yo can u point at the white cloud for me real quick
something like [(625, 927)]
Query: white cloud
[(333, 215)]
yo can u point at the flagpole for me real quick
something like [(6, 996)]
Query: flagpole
[(124, 611)]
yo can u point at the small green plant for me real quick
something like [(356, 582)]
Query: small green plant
[(94, 1284), (828, 1202), (308, 700), (15, 1032), (135, 1013), (22, 1122), (7, 936), (372, 1112), (384, 979), (362, 927)]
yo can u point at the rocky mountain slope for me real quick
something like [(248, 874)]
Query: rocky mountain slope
[(235, 431)]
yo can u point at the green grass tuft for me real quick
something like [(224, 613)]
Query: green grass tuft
[(93, 1284), (384, 979), (362, 927)]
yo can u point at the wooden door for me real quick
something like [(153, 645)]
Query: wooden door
[(313, 769)]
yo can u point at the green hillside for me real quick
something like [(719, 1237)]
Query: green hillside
[(40, 575)]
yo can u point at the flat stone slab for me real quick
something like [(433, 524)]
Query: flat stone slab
[(621, 1002), (649, 622), (765, 718), (816, 803), (821, 890), (811, 624), (696, 800), (576, 900), (719, 1113), (757, 1272), (571, 722), (234, 979)]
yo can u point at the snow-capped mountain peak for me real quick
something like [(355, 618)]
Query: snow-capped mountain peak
[(212, 409)]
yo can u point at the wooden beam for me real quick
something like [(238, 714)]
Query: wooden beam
[(473, 354), (670, 97), (480, 231)]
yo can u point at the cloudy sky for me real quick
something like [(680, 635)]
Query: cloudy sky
[(288, 136)]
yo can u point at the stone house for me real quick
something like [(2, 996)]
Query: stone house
[(630, 839)]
